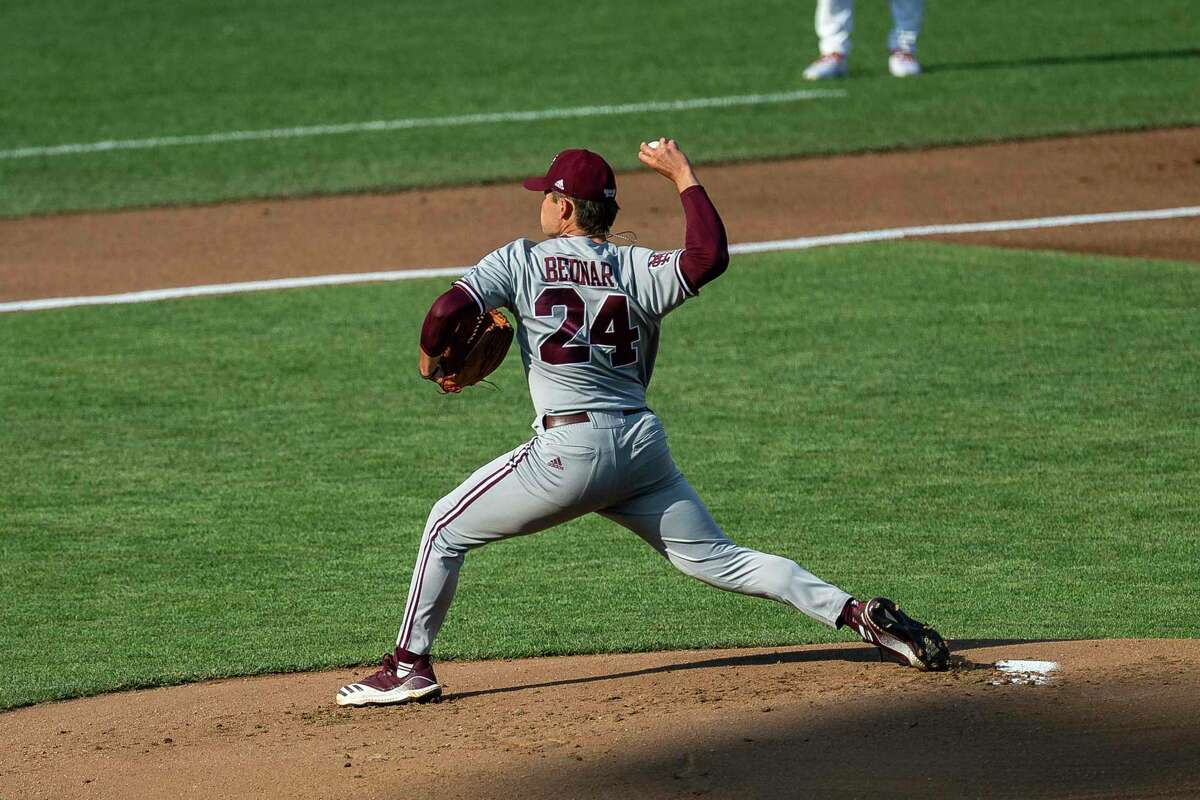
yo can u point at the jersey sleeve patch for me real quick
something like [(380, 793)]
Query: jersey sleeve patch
[(661, 259)]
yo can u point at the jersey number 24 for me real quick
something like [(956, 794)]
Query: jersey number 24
[(610, 327)]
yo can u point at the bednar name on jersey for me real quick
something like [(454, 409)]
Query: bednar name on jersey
[(564, 269)]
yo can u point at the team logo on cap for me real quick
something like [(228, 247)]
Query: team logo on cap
[(558, 184)]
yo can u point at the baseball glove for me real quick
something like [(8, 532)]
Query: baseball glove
[(476, 349)]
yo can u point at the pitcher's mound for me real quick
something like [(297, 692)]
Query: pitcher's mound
[(1115, 719)]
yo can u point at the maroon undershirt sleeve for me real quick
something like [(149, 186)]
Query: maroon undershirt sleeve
[(447, 313), (706, 252)]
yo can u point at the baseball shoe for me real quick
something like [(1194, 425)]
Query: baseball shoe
[(903, 64), (899, 637), (396, 681), (830, 65)]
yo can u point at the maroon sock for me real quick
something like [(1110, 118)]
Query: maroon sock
[(851, 614), (408, 657)]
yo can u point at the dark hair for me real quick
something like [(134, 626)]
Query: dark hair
[(595, 217)]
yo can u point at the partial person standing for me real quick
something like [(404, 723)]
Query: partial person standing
[(589, 315), (835, 23)]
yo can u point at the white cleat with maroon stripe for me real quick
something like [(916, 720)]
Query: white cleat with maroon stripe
[(903, 64), (827, 67), (395, 682)]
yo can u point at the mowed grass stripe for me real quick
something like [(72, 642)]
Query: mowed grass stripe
[(1006, 442), (103, 73)]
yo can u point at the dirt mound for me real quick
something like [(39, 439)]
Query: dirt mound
[(1118, 719)]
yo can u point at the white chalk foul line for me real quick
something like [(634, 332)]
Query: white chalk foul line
[(749, 247), (426, 122), (965, 227), (150, 295)]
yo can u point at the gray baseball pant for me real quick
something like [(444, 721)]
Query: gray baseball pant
[(620, 467)]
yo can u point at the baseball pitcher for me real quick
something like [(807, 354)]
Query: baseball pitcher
[(588, 315)]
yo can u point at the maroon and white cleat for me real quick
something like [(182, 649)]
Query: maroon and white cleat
[(899, 637), (402, 678)]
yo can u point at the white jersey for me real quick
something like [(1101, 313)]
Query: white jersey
[(588, 316)]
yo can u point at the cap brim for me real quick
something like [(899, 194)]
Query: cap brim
[(537, 184)]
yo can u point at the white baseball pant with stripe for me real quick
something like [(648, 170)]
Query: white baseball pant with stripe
[(616, 465), (835, 23)]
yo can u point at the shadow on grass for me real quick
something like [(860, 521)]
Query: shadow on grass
[(851, 653), (1060, 61)]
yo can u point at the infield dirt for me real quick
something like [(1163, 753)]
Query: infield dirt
[(84, 254), (1119, 719)]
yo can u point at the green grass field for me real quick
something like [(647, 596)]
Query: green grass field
[(78, 73), (1007, 442)]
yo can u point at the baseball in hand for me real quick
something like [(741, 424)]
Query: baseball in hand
[(652, 144)]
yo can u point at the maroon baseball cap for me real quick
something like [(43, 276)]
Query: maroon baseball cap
[(577, 173)]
